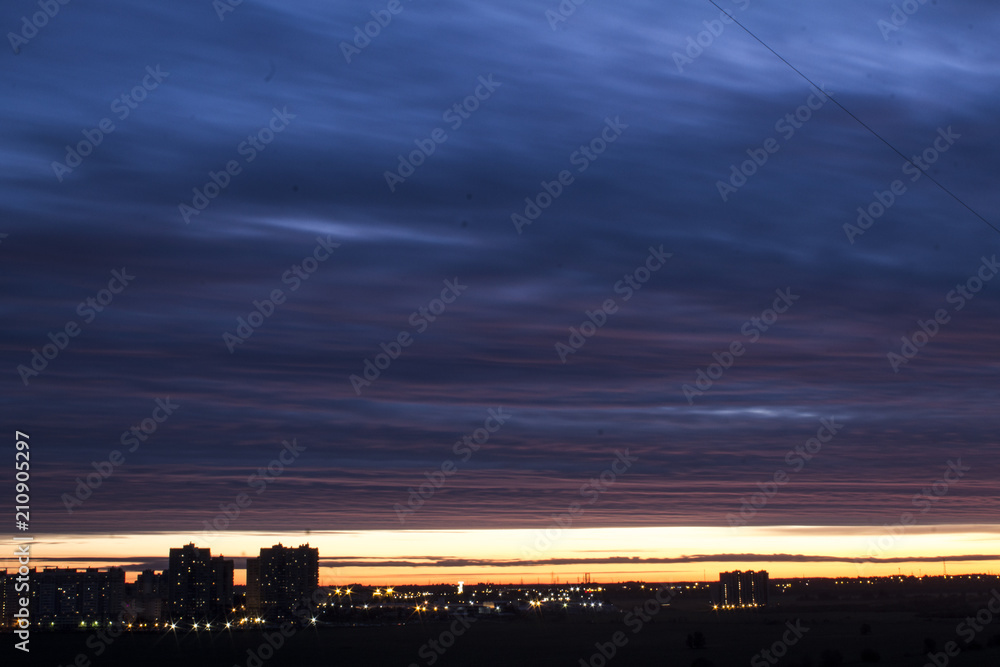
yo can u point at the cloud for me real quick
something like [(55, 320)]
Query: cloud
[(655, 185)]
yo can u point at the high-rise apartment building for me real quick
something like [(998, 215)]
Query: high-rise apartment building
[(281, 578), (199, 587), (67, 596), (742, 589), (253, 586)]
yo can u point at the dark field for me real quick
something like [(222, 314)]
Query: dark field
[(730, 639)]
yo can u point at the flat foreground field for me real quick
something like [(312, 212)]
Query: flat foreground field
[(730, 639)]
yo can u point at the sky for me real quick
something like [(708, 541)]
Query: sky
[(492, 269)]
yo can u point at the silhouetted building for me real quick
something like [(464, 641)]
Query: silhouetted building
[(65, 596), (742, 589), (8, 597), (253, 586), (149, 584), (285, 576), (199, 587), (149, 596), (222, 585)]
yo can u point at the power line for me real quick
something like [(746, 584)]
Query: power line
[(861, 122)]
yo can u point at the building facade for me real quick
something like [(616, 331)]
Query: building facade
[(253, 587), (199, 586), (66, 597), (280, 579), (742, 589)]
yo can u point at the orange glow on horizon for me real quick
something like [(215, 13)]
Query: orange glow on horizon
[(606, 554)]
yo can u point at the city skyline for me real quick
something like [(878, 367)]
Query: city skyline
[(381, 557)]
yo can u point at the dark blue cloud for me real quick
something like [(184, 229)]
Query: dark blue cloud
[(323, 176)]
